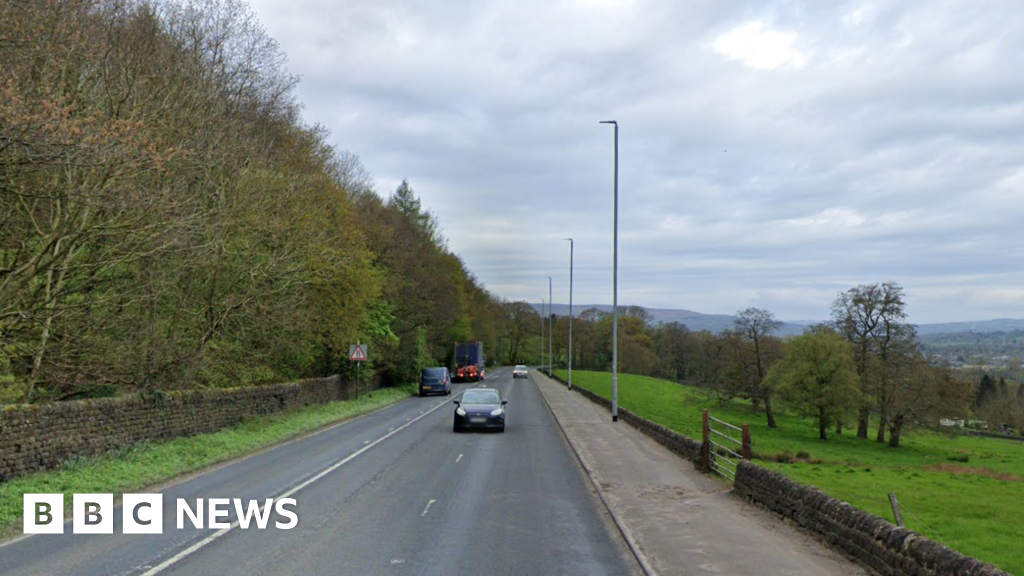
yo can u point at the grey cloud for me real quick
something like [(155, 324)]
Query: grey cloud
[(891, 152)]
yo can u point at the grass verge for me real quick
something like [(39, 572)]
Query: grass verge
[(962, 491), (138, 466)]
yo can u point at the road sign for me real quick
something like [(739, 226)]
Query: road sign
[(358, 352)]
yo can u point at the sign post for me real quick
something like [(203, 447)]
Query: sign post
[(358, 353)]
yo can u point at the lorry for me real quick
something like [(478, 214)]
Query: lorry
[(469, 361)]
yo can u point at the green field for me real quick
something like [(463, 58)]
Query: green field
[(976, 507), (144, 465)]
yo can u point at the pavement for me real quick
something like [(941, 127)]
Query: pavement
[(676, 520)]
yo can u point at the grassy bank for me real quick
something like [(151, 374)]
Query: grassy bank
[(964, 492), (136, 467)]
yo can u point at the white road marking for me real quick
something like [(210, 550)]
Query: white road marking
[(202, 543), (397, 561), (459, 458), (427, 509)]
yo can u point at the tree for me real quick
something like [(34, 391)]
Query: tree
[(755, 352), (406, 202), (986, 391), (818, 376), (923, 393), (673, 344), (873, 318)]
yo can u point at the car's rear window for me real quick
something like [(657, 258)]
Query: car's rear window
[(480, 397), (433, 373)]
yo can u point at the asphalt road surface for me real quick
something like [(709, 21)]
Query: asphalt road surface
[(394, 492)]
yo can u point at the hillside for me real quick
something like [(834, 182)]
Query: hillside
[(717, 322)]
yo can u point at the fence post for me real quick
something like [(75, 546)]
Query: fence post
[(896, 510), (705, 449), (746, 441)]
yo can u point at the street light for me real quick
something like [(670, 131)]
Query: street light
[(615, 283), (541, 365), (551, 327), (570, 310)]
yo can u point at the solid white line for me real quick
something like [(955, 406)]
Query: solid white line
[(459, 458), (202, 543), (427, 509)]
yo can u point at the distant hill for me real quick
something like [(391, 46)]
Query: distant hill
[(715, 323), (695, 321), (978, 326)]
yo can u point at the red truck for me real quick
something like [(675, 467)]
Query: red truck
[(469, 361)]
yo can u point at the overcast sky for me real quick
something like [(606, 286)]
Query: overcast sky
[(771, 154)]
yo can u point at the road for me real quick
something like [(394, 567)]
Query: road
[(393, 493)]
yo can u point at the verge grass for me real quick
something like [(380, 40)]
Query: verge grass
[(135, 467), (962, 491)]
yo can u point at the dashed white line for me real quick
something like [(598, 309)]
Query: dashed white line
[(427, 509), (205, 541), (459, 458)]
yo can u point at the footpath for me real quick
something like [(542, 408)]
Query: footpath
[(677, 520)]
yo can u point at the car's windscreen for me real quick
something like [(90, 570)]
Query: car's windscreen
[(433, 373), (480, 397), (520, 367)]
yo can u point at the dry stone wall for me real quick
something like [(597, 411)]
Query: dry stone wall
[(40, 437)]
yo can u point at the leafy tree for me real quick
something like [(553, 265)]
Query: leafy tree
[(673, 344), (818, 376), (986, 391)]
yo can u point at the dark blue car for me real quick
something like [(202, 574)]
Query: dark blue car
[(480, 408)]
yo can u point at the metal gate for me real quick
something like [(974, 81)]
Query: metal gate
[(719, 451)]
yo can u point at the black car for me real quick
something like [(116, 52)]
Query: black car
[(435, 381), (480, 408)]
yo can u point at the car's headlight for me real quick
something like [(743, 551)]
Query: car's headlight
[(497, 412), (460, 411)]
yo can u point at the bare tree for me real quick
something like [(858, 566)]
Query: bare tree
[(873, 318), (756, 351)]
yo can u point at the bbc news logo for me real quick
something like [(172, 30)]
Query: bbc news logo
[(144, 513)]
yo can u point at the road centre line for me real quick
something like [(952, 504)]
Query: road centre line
[(205, 541), (459, 458)]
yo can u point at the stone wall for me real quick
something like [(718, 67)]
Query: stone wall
[(867, 539), (39, 437), (871, 541)]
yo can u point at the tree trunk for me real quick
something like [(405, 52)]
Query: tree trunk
[(882, 421), (768, 409), (894, 431), (862, 422), (822, 424), (839, 427)]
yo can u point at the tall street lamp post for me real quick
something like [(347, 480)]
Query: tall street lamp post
[(540, 366), (570, 311), (615, 283)]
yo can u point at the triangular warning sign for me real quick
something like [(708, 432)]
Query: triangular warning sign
[(357, 354)]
